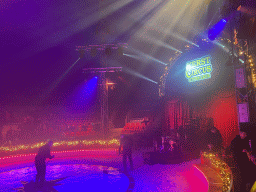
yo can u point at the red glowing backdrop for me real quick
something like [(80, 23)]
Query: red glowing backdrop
[(206, 98), (220, 106), (224, 112)]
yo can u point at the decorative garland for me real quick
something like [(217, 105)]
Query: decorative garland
[(113, 142), (213, 161)]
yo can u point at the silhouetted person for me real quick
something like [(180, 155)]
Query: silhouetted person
[(9, 136), (125, 148), (166, 144), (43, 153), (244, 169), (213, 139)]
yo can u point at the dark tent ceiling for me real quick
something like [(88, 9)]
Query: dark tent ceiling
[(38, 41)]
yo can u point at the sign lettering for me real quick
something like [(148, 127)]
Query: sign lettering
[(198, 69)]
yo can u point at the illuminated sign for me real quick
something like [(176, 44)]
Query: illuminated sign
[(198, 69)]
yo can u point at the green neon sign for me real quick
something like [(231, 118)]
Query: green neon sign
[(198, 69)]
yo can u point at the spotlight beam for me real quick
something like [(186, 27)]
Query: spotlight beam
[(146, 56), (163, 44), (88, 21), (182, 39), (132, 56), (136, 74), (167, 46), (227, 50), (140, 17), (68, 29), (56, 83)]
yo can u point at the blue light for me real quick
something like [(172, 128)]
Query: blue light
[(89, 87), (79, 176), (216, 29), (242, 61), (84, 95)]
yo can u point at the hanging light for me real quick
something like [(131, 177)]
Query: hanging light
[(217, 29)]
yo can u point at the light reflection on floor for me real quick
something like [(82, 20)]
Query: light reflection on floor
[(76, 177), (83, 171), (182, 177)]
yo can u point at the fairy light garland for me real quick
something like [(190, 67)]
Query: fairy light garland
[(163, 78), (250, 58), (165, 74), (251, 63), (162, 81), (221, 167), (113, 142)]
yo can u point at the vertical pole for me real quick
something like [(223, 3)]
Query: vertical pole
[(104, 103), (102, 39), (102, 106), (250, 87), (241, 91), (244, 87)]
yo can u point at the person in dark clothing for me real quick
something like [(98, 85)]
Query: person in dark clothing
[(43, 154), (213, 139), (244, 169), (9, 136), (125, 148)]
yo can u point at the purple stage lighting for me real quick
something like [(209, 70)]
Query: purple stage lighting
[(216, 29)]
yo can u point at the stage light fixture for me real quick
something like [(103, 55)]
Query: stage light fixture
[(217, 29), (246, 24)]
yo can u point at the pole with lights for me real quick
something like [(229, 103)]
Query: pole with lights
[(242, 61), (103, 85)]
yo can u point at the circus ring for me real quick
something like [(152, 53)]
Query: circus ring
[(100, 170), (78, 170)]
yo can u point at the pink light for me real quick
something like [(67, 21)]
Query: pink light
[(203, 178), (28, 158)]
